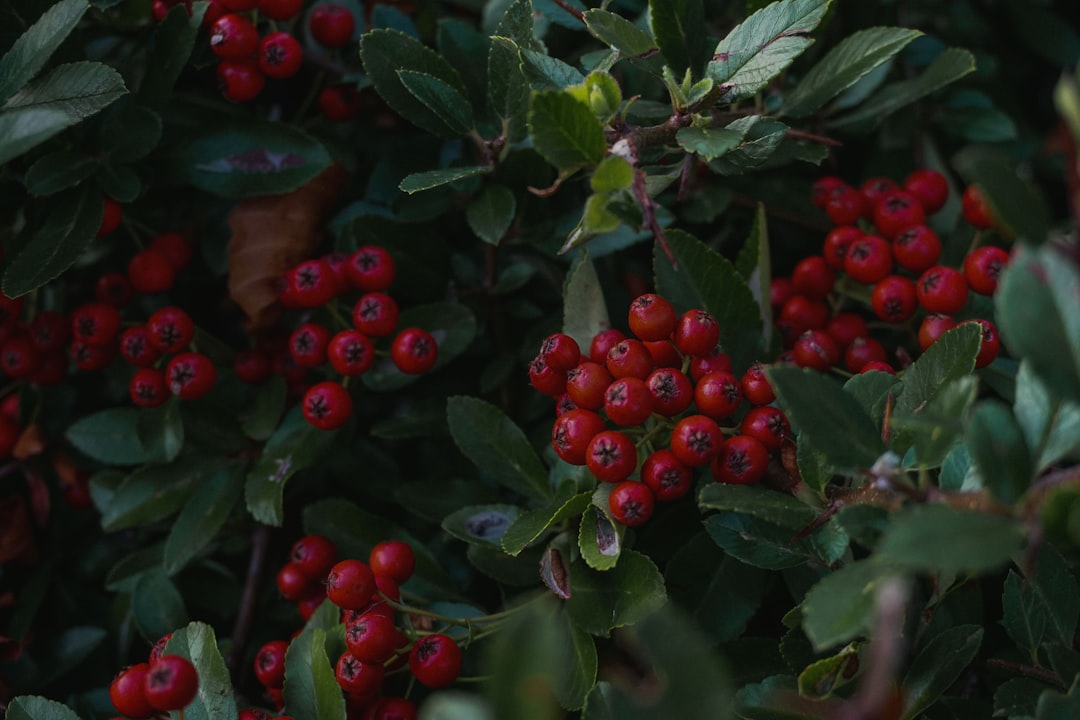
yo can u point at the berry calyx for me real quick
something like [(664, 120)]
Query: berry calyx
[(631, 503), (414, 351), (190, 375), (327, 405), (171, 683)]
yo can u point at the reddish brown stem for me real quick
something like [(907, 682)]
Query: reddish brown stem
[(1035, 673), (260, 541), (570, 9)]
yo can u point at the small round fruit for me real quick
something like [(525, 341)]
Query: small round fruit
[(171, 683), (767, 425), (375, 314), (587, 384), (822, 188), (435, 660), (756, 387), (240, 79), (313, 556), (982, 268), (331, 25), (930, 187), (233, 37), (628, 402), (113, 289), (917, 249), (631, 503), (602, 343), (373, 638), (350, 584), (813, 277), (990, 344), (845, 205), (394, 559), (975, 209), (696, 333), (845, 327), (611, 456), (252, 366), (414, 351), (174, 246), (742, 460), (312, 283), (671, 391), (942, 289), (95, 324), (718, 395), (351, 353), (128, 692), (112, 215), (629, 358), (279, 55), (148, 387), (280, 9), (572, 433), (836, 245), (933, 327), (695, 440), (170, 329), (869, 259), (371, 268), (270, 663), (291, 583), (896, 212), (651, 317), (894, 299), (560, 351), (668, 478), (861, 352), (359, 678), (545, 378), (150, 272), (327, 405), (190, 375), (339, 103), (816, 349)]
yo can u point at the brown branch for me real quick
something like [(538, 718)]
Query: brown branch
[(260, 541), (812, 137), (570, 9), (1035, 673)]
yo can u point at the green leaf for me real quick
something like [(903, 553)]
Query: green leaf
[(1036, 312), (126, 572), (1057, 706), (466, 48), (491, 213), (565, 130), (829, 418), (436, 178), (1018, 209), (779, 508), (602, 601), (154, 492), (32, 707), (129, 132), (763, 45), (385, 53), (58, 171), (709, 143), (174, 39), (938, 538), (530, 525), (295, 446), (214, 699), (156, 605), (614, 173), (1050, 425), (21, 130), (940, 423), (1024, 616), (679, 28), (1056, 586), (35, 46), (161, 431), (79, 89), (819, 679), (618, 33), (770, 546), (997, 448), (762, 137), (109, 436), (703, 278), (949, 66), (584, 311), (71, 225), (508, 88), (843, 66), (61, 653), (481, 524), (840, 607), (311, 690), (260, 421), (203, 516), (601, 92), (544, 71), (937, 666), (872, 390), (451, 324), (250, 158), (120, 182), (599, 539), (497, 446), (442, 98)]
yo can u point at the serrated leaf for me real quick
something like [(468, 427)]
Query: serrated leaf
[(214, 699), (602, 601), (754, 263), (497, 446), (28, 55), (779, 508), (997, 447), (1018, 209), (529, 526), (709, 143), (260, 421), (491, 213), (614, 173), (938, 538), (828, 417), (161, 431), (544, 71), (706, 279), (79, 89), (453, 326), (844, 65), (311, 690), (599, 539), (109, 436), (759, 48), (156, 605), (949, 66), (203, 516), (679, 29), (762, 137), (26, 128), (937, 666), (441, 98), (565, 130), (871, 389), (840, 607), (385, 53), (120, 182), (819, 679), (619, 33), (33, 707), (174, 39), (508, 89), (584, 310), (1056, 586), (1024, 616), (58, 171), (429, 179), (68, 230), (154, 492), (769, 546)]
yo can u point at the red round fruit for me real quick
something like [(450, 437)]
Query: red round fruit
[(929, 187), (845, 327), (414, 351), (394, 559), (91, 357), (742, 460), (111, 217), (695, 440), (359, 678), (982, 268), (313, 283), (668, 478), (233, 37), (869, 259), (545, 378), (371, 268), (572, 432), (628, 402), (375, 314), (611, 456), (190, 375), (933, 327), (252, 366), (331, 25), (602, 343), (313, 556), (896, 212), (975, 208), (651, 317), (803, 314), (18, 357), (878, 366), (327, 405), (128, 692), (823, 188), (171, 683), (373, 638), (756, 387), (113, 289), (917, 249), (170, 329), (564, 404), (279, 55), (671, 391), (148, 387), (861, 352), (894, 299), (876, 188), (293, 584), (395, 708), (270, 663), (95, 324), (150, 272), (816, 349), (664, 354), (845, 205), (718, 395), (780, 291), (240, 80), (587, 383), (631, 503), (836, 245), (136, 349), (308, 344), (813, 278), (339, 103), (990, 344), (767, 425), (280, 9), (175, 247), (942, 289), (715, 360), (435, 660), (351, 353), (50, 330), (350, 584), (629, 358), (560, 351), (696, 333)]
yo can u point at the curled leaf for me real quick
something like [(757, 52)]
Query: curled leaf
[(271, 234), (553, 573)]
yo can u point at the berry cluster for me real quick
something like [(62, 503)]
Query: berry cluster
[(366, 594), (881, 241), (350, 349), (162, 684), (669, 387)]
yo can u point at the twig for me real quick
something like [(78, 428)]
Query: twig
[(1035, 673), (812, 137), (260, 541), (570, 9)]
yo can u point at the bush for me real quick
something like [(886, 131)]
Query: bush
[(657, 359)]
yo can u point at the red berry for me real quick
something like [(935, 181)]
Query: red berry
[(148, 387), (878, 366), (313, 556), (112, 215), (803, 314), (742, 460), (631, 503), (331, 25), (756, 387), (982, 268), (587, 383), (932, 327), (876, 188), (291, 583), (628, 402), (823, 188), (91, 357), (718, 395), (629, 358), (942, 289), (128, 692), (50, 330), (845, 205), (563, 404), (668, 478), (190, 375), (395, 708), (308, 344), (651, 317), (233, 37), (339, 103), (313, 283), (611, 456), (252, 366), (350, 585), (171, 683), (671, 391), (351, 353), (816, 349), (572, 433), (893, 299), (414, 351), (309, 603), (270, 663), (917, 249), (813, 277), (716, 360), (990, 345), (896, 212), (279, 55), (767, 425), (359, 678), (150, 272), (780, 291), (975, 208), (18, 357), (239, 5), (175, 247), (373, 638), (697, 333), (869, 259), (95, 324), (371, 268), (113, 289), (664, 354), (375, 314), (695, 440), (836, 245), (394, 559), (862, 352), (560, 351), (435, 661), (545, 378), (930, 187), (280, 9), (170, 329), (603, 342), (327, 405), (845, 327), (240, 80)]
